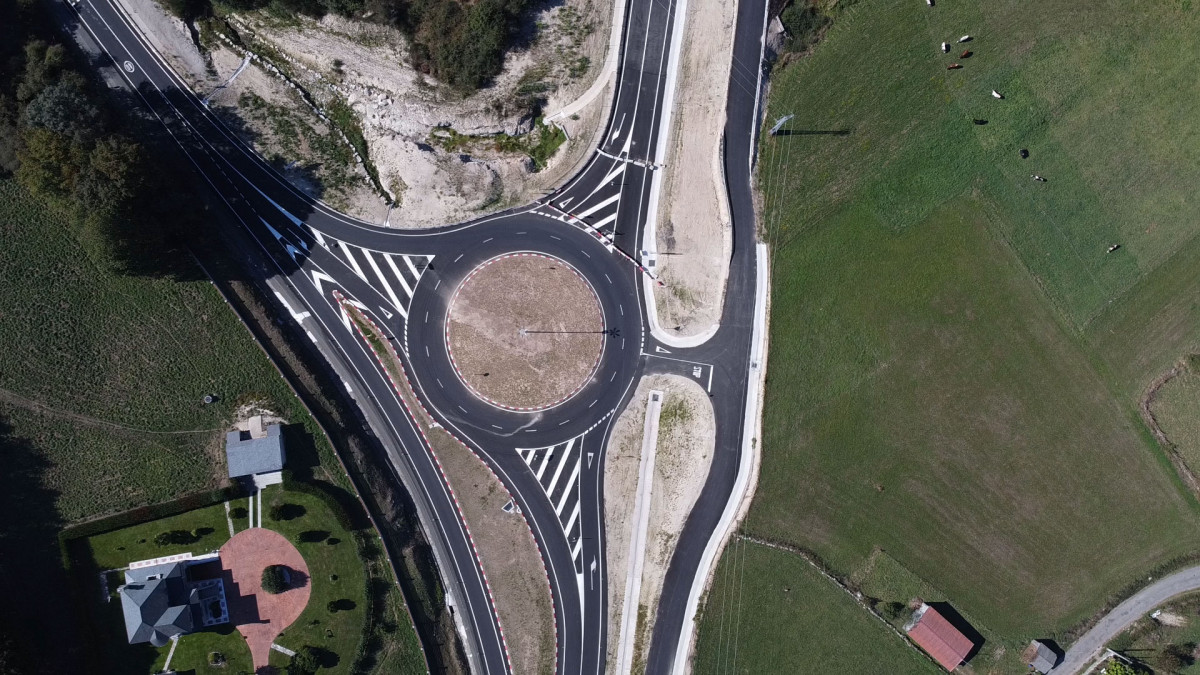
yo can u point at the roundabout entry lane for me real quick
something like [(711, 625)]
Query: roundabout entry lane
[(610, 277)]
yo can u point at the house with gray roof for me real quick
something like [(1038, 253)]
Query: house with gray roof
[(163, 601), (257, 453)]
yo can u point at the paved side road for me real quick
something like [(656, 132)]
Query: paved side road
[(1137, 606)]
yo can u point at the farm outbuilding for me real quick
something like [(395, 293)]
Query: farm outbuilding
[(1040, 656), (938, 637)]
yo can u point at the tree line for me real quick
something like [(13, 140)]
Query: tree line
[(460, 43), (62, 140)]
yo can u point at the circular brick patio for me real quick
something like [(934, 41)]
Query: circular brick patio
[(260, 616)]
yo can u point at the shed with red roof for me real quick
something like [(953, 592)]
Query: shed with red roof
[(937, 636)]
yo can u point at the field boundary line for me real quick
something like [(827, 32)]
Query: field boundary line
[(855, 596), (19, 401)]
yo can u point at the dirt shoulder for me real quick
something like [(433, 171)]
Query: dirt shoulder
[(694, 235), (516, 576), (686, 442)]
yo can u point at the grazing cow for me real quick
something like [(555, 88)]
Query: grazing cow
[(1024, 153), (929, 2), (965, 55), (945, 48), (996, 94), (979, 121), (953, 66), (1038, 178), (965, 38), (1113, 247)]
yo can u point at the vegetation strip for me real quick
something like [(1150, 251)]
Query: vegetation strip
[(393, 368)]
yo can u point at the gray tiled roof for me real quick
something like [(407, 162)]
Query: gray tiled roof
[(157, 609), (251, 456)]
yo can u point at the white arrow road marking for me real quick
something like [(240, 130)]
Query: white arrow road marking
[(592, 574), (318, 277), (660, 350), (590, 459)]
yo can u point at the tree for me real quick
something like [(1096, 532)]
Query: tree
[(64, 108), (305, 662), (275, 579), (176, 537)]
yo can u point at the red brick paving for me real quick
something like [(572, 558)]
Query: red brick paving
[(258, 615)]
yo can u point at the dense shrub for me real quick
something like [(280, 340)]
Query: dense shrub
[(275, 579), (803, 23)]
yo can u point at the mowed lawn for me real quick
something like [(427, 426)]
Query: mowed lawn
[(760, 590), (948, 375)]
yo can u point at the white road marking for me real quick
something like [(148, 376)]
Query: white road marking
[(574, 516), (567, 492), (606, 220), (597, 207), (411, 267), (562, 463), (392, 264), (386, 286), (353, 263)]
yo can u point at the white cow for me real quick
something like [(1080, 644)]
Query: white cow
[(965, 38), (996, 94), (945, 48)]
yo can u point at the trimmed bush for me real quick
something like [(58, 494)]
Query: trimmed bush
[(275, 579)]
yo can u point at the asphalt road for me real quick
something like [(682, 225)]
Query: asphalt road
[(551, 461), (1138, 605)]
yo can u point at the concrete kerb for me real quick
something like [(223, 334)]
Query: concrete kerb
[(650, 231), (747, 469), (637, 537), (445, 479), (606, 75)]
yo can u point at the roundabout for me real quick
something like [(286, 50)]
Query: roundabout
[(547, 312), (525, 331)]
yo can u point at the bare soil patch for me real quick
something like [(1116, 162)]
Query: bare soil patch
[(686, 440), (524, 331), (693, 218)]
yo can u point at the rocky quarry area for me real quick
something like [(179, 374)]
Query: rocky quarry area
[(334, 104)]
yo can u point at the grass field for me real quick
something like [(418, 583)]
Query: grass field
[(1147, 640), (956, 359), (759, 589), (122, 364)]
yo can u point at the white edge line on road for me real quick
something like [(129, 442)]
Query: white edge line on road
[(746, 467)]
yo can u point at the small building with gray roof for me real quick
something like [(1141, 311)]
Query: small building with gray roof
[(259, 456)]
